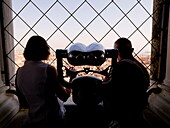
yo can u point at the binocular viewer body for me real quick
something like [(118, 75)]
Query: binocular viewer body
[(86, 90)]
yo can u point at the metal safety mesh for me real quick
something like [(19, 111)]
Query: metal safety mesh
[(63, 22)]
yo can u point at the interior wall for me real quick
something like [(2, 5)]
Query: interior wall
[(159, 103), (9, 66), (1, 62)]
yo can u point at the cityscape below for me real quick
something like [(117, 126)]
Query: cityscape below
[(19, 60)]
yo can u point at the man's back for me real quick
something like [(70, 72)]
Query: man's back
[(127, 91)]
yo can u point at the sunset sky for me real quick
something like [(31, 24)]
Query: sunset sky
[(65, 28)]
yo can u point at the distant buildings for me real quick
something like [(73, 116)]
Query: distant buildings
[(19, 60)]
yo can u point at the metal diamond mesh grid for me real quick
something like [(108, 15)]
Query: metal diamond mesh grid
[(63, 22)]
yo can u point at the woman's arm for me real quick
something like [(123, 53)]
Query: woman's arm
[(61, 92)]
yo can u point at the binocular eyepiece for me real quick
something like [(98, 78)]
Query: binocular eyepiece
[(79, 54)]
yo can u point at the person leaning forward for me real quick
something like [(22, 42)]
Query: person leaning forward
[(125, 96)]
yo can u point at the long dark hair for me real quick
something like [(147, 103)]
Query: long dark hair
[(36, 49)]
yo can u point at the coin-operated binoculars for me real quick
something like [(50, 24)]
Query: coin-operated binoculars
[(86, 88)]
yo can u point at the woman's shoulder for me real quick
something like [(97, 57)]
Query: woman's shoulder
[(51, 69)]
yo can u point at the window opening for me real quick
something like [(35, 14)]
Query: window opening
[(63, 22)]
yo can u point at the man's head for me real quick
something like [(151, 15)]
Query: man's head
[(124, 47)]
